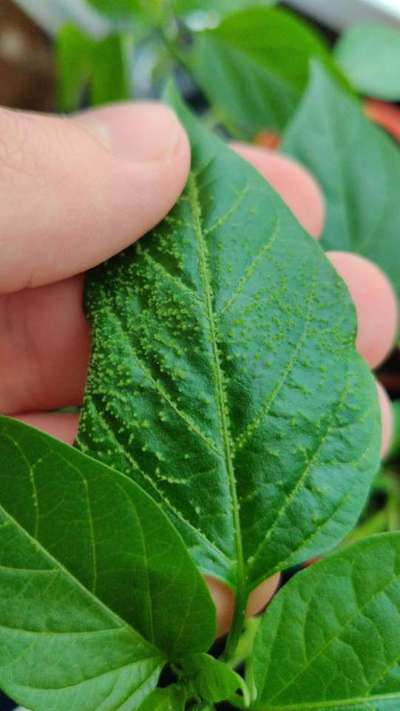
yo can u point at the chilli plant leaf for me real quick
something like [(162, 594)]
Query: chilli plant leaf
[(101, 66), (97, 590), (330, 641), (254, 67), (224, 377), (358, 167), (370, 56)]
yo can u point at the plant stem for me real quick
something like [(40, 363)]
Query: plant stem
[(238, 622)]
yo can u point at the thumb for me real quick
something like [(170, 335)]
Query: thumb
[(76, 191)]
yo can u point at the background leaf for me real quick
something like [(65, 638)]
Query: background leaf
[(224, 377), (100, 67), (217, 7), (358, 168), (369, 55), (331, 638), (119, 9), (254, 67), (87, 560)]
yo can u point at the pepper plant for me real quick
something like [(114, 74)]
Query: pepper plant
[(229, 428)]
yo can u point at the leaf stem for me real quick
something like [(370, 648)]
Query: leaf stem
[(239, 618)]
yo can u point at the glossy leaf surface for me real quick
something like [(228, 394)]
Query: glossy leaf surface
[(89, 568), (369, 54), (224, 377), (358, 168), (254, 67), (330, 641)]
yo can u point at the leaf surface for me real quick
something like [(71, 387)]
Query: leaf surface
[(89, 568), (358, 168), (254, 67), (369, 54), (330, 641), (224, 377)]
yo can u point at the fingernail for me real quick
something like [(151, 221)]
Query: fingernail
[(139, 132)]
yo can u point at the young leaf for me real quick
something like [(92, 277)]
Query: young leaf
[(358, 168), (254, 67), (89, 567), (370, 56), (213, 680), (224, 377), (330, 640), (170, 699)]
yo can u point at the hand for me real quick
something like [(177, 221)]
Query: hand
[(76, 191)]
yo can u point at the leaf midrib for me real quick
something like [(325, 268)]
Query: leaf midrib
[(218, 375)]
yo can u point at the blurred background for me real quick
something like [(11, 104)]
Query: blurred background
[(27, 62)]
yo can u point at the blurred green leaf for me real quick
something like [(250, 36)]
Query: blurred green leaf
[(218, 7), (254, 67), (370, 56), (73, 66), (100, 67), (112, 63), (117, 8), (358, 168), (395, 445)]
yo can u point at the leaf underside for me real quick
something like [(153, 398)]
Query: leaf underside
[(330, 641), (97, 590), (224, 378), (358, 168)]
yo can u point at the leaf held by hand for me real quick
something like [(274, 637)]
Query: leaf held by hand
[(224, 377)]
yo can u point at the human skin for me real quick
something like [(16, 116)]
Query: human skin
[(76, 191)]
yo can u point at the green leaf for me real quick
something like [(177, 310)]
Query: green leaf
[(370, 56), (331, 639), (358, 168), (254, 67), (73, 66), (89, 567), (118, 9), (102, 66), (112, 69), (218, 8), (170, 699), (213, 680), (395, 444), (224, 377)]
